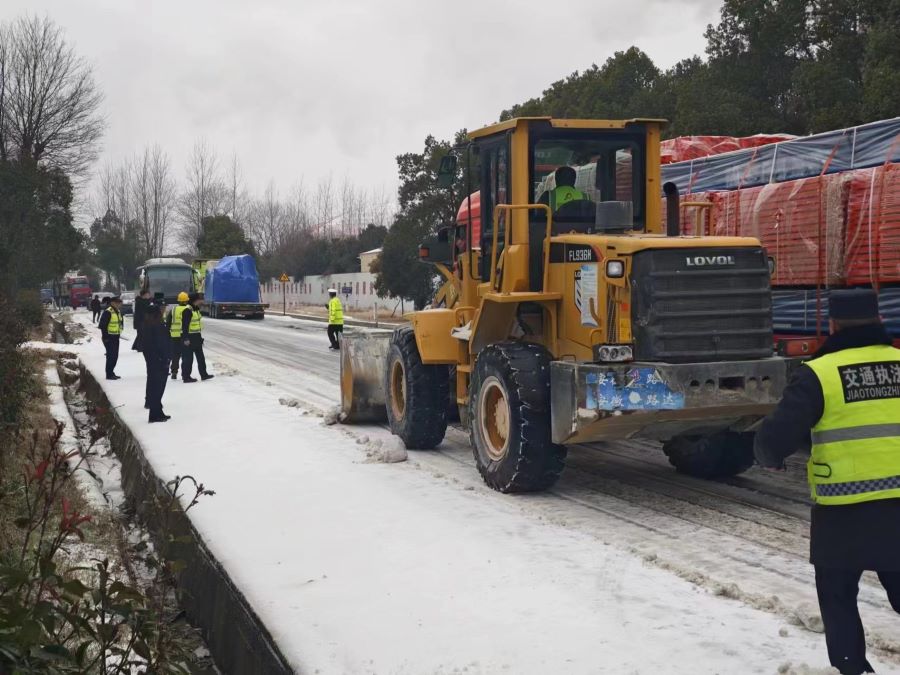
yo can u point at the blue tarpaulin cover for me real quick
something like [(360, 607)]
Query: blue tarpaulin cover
[(830, 152), (794, 311), (233, 279)]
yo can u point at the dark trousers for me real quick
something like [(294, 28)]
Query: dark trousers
[(333, 331), (157, 372), (177, 348), (95, 314), (844, 635), (189, 352), (111, 344)]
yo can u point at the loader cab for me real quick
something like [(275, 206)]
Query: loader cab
[(616, 168)]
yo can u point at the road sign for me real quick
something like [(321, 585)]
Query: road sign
[(347, 290), (284, 279)]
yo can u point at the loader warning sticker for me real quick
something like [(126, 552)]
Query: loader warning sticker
[(870, 381), (634, 389), (585, 291)]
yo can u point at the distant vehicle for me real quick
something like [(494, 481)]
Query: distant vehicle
[(169, 276), (127, 302), (47, 296), (230, 287), (76, 291)]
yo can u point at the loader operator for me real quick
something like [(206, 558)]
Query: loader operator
[(565, 190), (845, 404)]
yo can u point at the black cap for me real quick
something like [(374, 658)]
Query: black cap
[(853, 305), (193, 296), (115, 298)]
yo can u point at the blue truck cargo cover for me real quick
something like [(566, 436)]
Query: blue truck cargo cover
[(233, 279)]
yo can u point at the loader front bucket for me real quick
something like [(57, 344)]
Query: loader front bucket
[(363, 357)]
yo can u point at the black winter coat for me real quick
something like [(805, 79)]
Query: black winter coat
[(157, 345), (140, 311), (856, 536)]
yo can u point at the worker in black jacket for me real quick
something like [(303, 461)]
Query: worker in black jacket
[(157, 350), (111, 325), (844, 405), (192, 340), (141, 304)]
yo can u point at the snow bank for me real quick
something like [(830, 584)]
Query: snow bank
[(358, 566)]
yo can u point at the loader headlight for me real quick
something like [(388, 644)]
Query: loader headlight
[(771, 262), (615, 269), (613, 353)]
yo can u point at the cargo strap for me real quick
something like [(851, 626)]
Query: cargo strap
[(859, 433), (857, 487)]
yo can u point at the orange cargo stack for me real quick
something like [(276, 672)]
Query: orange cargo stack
[(873, 226), (786, 217)]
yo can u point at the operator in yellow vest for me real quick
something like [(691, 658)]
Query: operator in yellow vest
[(192, 340), (565, 190), (844, 405), (111, 325), (335, 318), (174, 319)]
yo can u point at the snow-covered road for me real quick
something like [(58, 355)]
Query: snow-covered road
[(625, 567)]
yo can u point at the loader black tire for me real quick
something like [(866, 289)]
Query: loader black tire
[(416, 394), (720, 455), (512, 445)]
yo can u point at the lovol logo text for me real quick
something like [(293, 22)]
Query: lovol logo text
[(707, 260)]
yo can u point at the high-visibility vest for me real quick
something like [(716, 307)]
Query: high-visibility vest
[(856, 444), (335, 312), (115, 322), (562, 195), (194, 326), (175, 328)]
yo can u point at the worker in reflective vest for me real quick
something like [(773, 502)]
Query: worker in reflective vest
[(844, 405), (192, 340), (174, 321), (335, 318), (111, 332), (565, 190)]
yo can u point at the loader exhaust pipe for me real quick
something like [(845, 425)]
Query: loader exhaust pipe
[(673, 215)]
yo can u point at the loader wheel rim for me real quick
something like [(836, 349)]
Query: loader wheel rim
[(494, 418), (398, 389)]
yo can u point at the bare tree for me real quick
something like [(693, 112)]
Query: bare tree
[(323, 208), (296, 210), (267, 225), (153, 192), (204, 195), (114, 192), (48, 100), (237, 193)]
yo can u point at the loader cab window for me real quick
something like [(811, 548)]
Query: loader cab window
[(593, 181), (495, 190)]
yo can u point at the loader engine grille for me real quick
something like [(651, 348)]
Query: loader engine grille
[(700, 305)]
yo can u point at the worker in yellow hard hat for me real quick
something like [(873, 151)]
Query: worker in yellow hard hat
[(173, 322)]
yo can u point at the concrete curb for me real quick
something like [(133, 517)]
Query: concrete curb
[(236, 636)]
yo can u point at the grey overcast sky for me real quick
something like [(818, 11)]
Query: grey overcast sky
[(302, 89)]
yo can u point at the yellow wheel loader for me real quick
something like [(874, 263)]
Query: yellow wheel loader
[(577, 314)]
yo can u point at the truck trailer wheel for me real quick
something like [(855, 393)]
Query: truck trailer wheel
[(416, 394), (721, 455), (509, 418)]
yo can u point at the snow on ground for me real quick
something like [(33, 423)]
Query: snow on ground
[(357, 566)]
